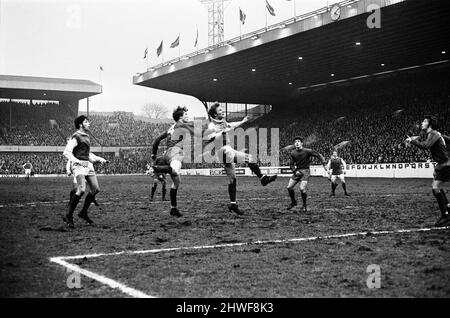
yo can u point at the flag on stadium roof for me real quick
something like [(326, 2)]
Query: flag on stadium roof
[(160, 49), (145, 53), (175, 43), (270, 8), (242, 16), (196, 39)]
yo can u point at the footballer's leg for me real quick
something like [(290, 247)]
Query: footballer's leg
[(90, 197), (333, 185), (74, 189), (344, 185), (231, 174), (163, 183), (243, 157), (81, 188), (155, 185), (175, 166), (291, 185), (442, 200), (303, 186)]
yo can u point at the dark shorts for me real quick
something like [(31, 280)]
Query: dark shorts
[(301, 175), (442, 173), (160, 177)]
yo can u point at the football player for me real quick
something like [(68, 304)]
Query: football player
[(438, 145), (336, 168)]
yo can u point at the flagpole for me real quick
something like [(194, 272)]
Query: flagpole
[(240, 24), (266, 15), (295, 10), (146, 56)]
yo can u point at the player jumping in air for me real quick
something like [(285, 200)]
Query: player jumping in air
[(218, 127), (336, 168), (81, 159), (158, 177), (300, 162), (438, 145), (27, 167), (172, 159)]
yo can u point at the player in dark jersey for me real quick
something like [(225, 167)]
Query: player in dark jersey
[(300, 163), (336, 168), (438, 145), (172, 158), (78, 152), (218, 128), (158, 177)]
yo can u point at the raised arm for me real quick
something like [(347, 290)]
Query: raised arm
[(156, 143), (236, 124)]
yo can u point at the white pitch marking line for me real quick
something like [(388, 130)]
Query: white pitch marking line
[(102, 279), (138, 294)]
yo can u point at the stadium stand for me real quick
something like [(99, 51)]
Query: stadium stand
[(374, 115)]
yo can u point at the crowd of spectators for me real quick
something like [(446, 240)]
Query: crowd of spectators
[(375, 116)]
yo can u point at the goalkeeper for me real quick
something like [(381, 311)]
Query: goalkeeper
[(300, 162)]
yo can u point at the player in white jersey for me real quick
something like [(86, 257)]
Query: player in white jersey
[(219, 127), (27, 167)]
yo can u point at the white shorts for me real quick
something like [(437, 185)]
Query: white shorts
[(84, 168), (341, 177), (28, 172), (227, 154)]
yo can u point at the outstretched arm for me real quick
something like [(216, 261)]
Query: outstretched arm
[(428, 143), (321, 158), (236, 124), (93, 158)]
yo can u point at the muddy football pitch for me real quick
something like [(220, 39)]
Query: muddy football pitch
[(380, 242)]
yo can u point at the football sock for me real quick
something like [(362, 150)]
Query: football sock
[(255, 169), (72, 193), (446, 200), (333, 187), (173, 197), (232, 191), (440, 197), (154, 189), (87, 202), (304, 198), (344, 187), (164, 192), (292, 195), (73, 204)]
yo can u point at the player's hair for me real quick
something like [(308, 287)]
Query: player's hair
[(212, 112), (298, 138), (433, 121), (179, 112), (79, 120)]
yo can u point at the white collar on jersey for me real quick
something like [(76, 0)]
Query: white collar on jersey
[(82, 133)]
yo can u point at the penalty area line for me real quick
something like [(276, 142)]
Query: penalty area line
[(61, 260)]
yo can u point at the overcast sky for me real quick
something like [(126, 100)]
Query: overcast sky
[(71, 38)]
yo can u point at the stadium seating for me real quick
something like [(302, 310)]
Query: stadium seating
[(374, 115)]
